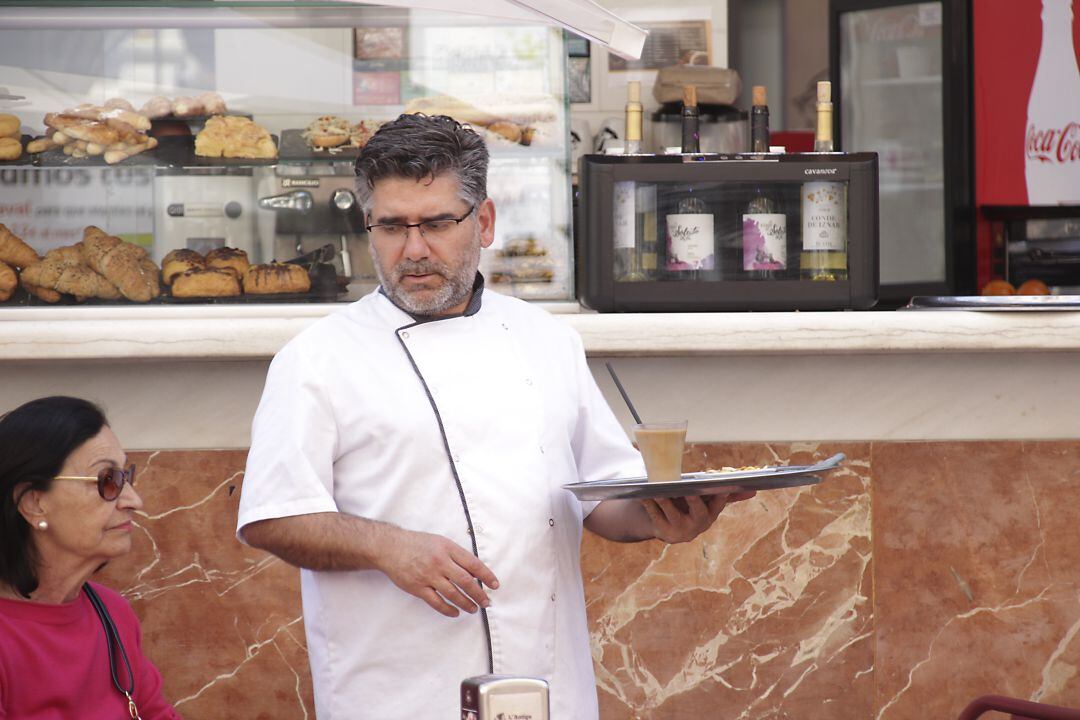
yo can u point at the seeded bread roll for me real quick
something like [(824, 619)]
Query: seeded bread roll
[(211, 282), (79, 280), (227, 258), (180, 261), (122, 263), (276, 278)]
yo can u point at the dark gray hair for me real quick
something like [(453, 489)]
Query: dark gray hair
[(420, 146)]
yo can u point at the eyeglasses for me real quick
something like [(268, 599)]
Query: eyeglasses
[(110, 481), (429, 229)]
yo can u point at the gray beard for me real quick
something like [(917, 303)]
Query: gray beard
[(451, 293)]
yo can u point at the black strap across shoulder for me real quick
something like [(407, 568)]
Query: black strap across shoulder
[(116, 647)]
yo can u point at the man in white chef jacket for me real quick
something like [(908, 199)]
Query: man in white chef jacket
[(409, 454)]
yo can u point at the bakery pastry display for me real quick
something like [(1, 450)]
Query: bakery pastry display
[(523, 260), (124, 264), (10, 125), (276, 278), (180, 261), (14, 251), (208, 282), (115, 133), (233, 136), (231, 259), (327, 131), (9, 280), (184, 106), (509, 120), (10, 148), (362, 132)]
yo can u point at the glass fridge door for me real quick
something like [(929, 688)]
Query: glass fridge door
[(891, 103)]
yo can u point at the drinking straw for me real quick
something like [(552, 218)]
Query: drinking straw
[(622, 391)]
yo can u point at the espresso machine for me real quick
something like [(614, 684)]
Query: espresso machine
[(204, 208), (304, 207)]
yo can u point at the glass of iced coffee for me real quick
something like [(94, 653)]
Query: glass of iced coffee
[(661, 445)]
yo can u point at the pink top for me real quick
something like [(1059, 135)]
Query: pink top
[(54, 662)]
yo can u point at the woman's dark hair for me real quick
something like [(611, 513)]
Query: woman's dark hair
[(35, 440)]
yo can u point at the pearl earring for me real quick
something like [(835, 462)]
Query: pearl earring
[(42, 525)]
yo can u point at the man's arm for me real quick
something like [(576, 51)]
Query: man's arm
[(431, 567), (662, 518)]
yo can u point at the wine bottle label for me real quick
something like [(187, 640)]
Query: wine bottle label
[(824, 216), (764, 238), (624, 221), (690, 242)]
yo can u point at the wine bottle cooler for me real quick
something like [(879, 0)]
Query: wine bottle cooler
[(709, 232)]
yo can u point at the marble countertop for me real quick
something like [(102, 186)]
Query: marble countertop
[(217, 332)]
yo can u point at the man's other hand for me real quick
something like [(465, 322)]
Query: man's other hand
[(678, 520)]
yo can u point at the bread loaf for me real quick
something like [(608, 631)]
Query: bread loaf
[(276, 278), (14, 251), (122, 263)]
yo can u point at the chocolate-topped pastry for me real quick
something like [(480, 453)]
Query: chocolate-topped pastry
[(211, 282), (276, 278), (179, 261), (228, 258)]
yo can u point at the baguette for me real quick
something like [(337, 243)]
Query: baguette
[(14, 251)]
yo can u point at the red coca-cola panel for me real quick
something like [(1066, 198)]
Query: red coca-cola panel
[(1027, 102)]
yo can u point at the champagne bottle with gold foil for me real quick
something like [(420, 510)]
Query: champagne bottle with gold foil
[(823, 137), (633, 117)]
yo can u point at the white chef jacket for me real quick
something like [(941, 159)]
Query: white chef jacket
[(370, 413)]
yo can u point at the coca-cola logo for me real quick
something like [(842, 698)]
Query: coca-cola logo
[(1053, 146)]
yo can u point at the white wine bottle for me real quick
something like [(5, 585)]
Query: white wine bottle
[(764, 237), (824, 208), (624, 232), (691, 243)]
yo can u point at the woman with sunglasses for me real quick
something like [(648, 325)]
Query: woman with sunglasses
[(68, 647)]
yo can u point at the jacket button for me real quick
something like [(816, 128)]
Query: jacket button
[(552, 597), (404, 334), (551, 522), (457, 458)]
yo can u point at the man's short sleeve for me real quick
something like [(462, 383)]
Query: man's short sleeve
[(293, 445)]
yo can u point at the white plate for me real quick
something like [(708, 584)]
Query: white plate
[(707, 483)]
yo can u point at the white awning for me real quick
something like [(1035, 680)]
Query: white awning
[(582, 17)]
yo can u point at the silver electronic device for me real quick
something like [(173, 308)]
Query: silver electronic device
[(504, 697)]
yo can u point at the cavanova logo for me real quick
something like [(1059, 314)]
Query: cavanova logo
[(820, 171), (1054, 146)]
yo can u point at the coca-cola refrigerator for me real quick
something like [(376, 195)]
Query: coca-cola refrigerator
[(1027, 141), (902, 78)]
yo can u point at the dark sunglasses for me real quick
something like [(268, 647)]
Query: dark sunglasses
[(110, 481)]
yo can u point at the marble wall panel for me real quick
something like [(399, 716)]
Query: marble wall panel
[(768, 615), (977, 591), (917, 577)]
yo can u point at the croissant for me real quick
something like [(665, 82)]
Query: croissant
[(8, 281), (123, 264), (79, 280), (14, 251)]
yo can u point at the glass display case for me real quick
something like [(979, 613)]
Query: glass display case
[(729, 232), (114, 105)]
